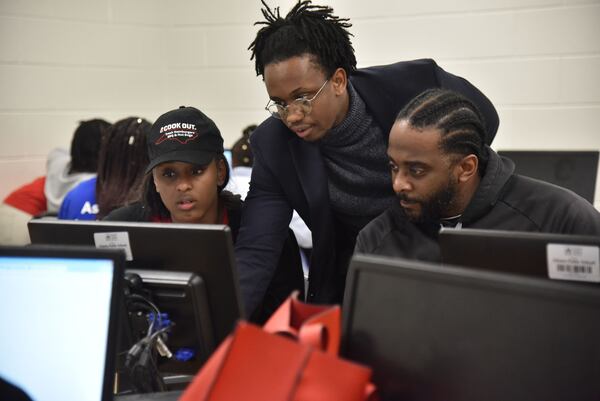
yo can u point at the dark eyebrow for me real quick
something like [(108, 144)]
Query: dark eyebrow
[(200, 166), (295, 94), (414, 163)]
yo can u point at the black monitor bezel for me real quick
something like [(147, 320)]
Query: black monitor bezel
[(530, 162), (493, 281), (223, 316), (166, 287), (117, 257), (489, 249)]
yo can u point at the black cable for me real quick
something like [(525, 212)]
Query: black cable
[(141, 364), (153, 306), (141, 359)]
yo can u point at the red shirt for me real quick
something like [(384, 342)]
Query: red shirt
[(158, 219), (29, 198)]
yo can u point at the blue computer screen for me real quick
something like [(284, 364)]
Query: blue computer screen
[(55, 321)]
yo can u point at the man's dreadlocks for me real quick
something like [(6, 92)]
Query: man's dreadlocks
[(306, 29)]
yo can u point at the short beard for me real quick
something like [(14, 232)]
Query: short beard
[(435, 207)]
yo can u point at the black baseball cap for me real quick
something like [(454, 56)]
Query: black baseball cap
[(185, 135)]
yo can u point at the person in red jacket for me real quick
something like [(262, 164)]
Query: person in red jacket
[(29, 198), (43, 195)]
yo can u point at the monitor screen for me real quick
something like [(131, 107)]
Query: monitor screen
[(445, 333), (205, 250), (554, 256), (574, 170), (227, 153), (59, 312)]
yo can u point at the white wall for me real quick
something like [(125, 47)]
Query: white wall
[(65, 60)]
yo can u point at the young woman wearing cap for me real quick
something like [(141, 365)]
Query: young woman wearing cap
[(184, 184)]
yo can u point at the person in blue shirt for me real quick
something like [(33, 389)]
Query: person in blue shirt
[(121, 164), (80, 202)]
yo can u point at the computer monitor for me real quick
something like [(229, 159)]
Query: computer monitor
[(182, 296), (205, 250), (59, 309), (574, 170), (228, 157), (444, 333), (546, 255)]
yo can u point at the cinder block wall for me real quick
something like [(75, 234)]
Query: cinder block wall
[(62, 61)]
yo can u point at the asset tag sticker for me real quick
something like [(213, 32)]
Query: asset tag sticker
[(573, 262), (116, 240)]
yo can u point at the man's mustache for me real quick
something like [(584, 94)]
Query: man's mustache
[(403, 197)]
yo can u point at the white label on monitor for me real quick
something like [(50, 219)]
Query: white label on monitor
[(573, 262), (116, 240)]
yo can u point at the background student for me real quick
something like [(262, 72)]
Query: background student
[(64, 170), (121, 163)]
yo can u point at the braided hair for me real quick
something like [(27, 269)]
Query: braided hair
[(306, 29), (460, 121), (121, 164), (85, 145)]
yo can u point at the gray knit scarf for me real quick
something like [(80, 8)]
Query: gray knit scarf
[(357, 165)]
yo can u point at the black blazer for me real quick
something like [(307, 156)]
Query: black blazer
[(289, 173)]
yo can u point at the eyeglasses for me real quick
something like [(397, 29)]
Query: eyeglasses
[(302, 105)]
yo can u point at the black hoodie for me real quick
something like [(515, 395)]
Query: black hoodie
[(503, 201)]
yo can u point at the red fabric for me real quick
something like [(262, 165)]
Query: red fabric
[(158, 219), (255, 365), (258, 364), (315, 325), (29, 198), (225, 217)]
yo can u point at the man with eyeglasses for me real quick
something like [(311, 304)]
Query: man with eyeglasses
[(323, 152)]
